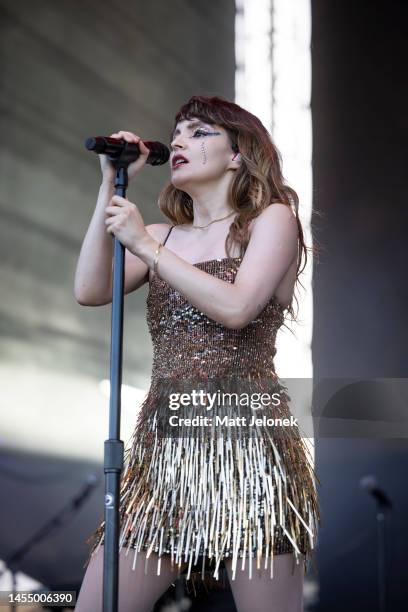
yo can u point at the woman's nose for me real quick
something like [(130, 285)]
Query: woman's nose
[(177, 142)]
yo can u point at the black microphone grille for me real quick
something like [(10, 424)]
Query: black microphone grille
[(159, 153), (90, 143)]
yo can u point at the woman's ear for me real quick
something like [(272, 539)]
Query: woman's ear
[(237, 157)]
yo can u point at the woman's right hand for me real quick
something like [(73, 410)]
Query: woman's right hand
[(108, 169)]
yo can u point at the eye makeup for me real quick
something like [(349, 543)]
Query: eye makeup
[(192, 125), (204, 133)]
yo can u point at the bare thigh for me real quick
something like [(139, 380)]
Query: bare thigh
[(138, 591), (261, 593)]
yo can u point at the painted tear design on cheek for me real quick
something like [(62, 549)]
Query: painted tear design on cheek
[(204, 153)]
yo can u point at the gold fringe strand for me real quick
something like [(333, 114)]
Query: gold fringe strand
[(202, 493)]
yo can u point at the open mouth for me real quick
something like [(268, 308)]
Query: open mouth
[(179, 160), (178, 164)]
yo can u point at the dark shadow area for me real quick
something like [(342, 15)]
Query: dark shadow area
[(359, 111)]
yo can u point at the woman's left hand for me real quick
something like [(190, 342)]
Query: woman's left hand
[(126, 223)]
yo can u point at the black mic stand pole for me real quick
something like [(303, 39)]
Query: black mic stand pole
[(383, 504), (113, 455), (120, 154)]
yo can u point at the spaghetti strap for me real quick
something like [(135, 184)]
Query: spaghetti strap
[(168, 235)]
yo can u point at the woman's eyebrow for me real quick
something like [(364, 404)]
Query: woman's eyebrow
[(189, 126)]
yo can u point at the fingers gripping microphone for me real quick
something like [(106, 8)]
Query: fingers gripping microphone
[(116, 148)]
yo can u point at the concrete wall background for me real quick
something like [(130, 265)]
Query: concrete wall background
[(71, 70)]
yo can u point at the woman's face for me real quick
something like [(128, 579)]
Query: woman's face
[(208, 152)]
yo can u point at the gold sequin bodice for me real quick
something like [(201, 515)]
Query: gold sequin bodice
[(187, 343)]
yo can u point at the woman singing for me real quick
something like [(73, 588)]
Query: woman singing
[(221, 275)]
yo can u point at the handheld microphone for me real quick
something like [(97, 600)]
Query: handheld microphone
[(114, 148)]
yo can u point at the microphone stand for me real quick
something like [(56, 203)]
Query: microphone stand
[(383, 504), (120, 154), (114, 448)]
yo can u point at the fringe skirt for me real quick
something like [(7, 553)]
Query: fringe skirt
[(225, 488)]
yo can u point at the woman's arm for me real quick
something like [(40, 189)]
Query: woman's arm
[(93, 274), (136, 273), (271, 250)]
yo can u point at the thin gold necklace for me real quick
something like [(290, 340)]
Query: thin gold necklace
[(214, 221)]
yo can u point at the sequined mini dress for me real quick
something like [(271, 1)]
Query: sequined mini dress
[(217, 490)]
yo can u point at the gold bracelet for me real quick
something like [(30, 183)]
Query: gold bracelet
[(156, 259)]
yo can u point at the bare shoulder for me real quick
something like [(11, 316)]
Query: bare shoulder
[(273, 233), (277, 223), (158, 231), (274, 213)]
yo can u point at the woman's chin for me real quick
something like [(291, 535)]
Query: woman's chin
[(178, 182)]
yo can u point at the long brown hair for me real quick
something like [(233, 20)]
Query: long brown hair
[(257, 183)]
